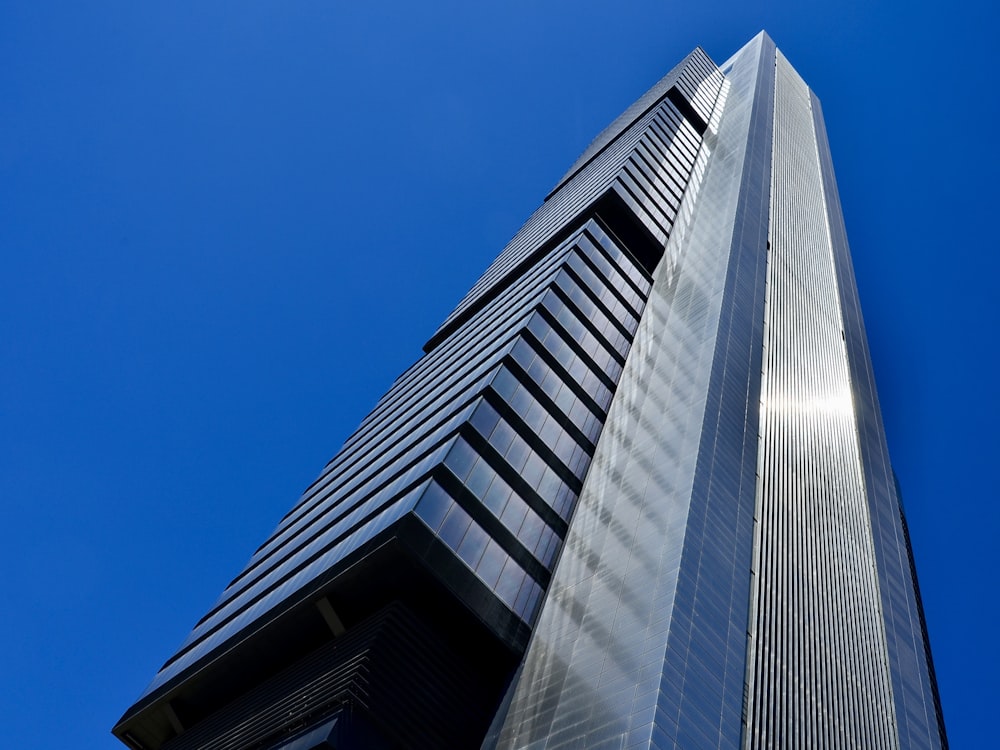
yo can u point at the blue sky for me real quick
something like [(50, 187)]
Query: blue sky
[(225, 227)]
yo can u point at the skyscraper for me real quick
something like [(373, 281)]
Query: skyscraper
[(635, 494)]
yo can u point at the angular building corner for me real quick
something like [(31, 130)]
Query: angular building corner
[(635, 494)]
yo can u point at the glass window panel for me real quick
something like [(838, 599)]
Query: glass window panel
[(461, 458), (480, 478), (497, 496), (484, 419), (533, 471), (491, 564), (510, 582), (505, 383), (513, 515), (531, 531), (517, 454), (454, 527), (472, 545), (434, 506), (531, 601), (547, 552), (502, 437), (522, 602)]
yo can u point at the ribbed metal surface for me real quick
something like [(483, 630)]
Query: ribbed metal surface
[(392, 664), (918, 708), (818, 673)]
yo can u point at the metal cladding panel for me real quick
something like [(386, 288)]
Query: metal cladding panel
[(600, 173), (918, 708), (705, 660), (599, 671), (818, 674)]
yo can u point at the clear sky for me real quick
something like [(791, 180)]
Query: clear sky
[(225, 227)]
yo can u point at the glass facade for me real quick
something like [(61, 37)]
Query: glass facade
[(635, 494)]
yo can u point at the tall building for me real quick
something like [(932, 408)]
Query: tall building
[(636, 493)]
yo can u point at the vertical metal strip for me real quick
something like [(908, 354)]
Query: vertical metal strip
[(917, 704), (818, 674)]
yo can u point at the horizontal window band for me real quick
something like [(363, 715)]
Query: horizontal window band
[(568, 288), (559, 368), (499, 464), (588, 357), (492, 525), (543, 398)]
